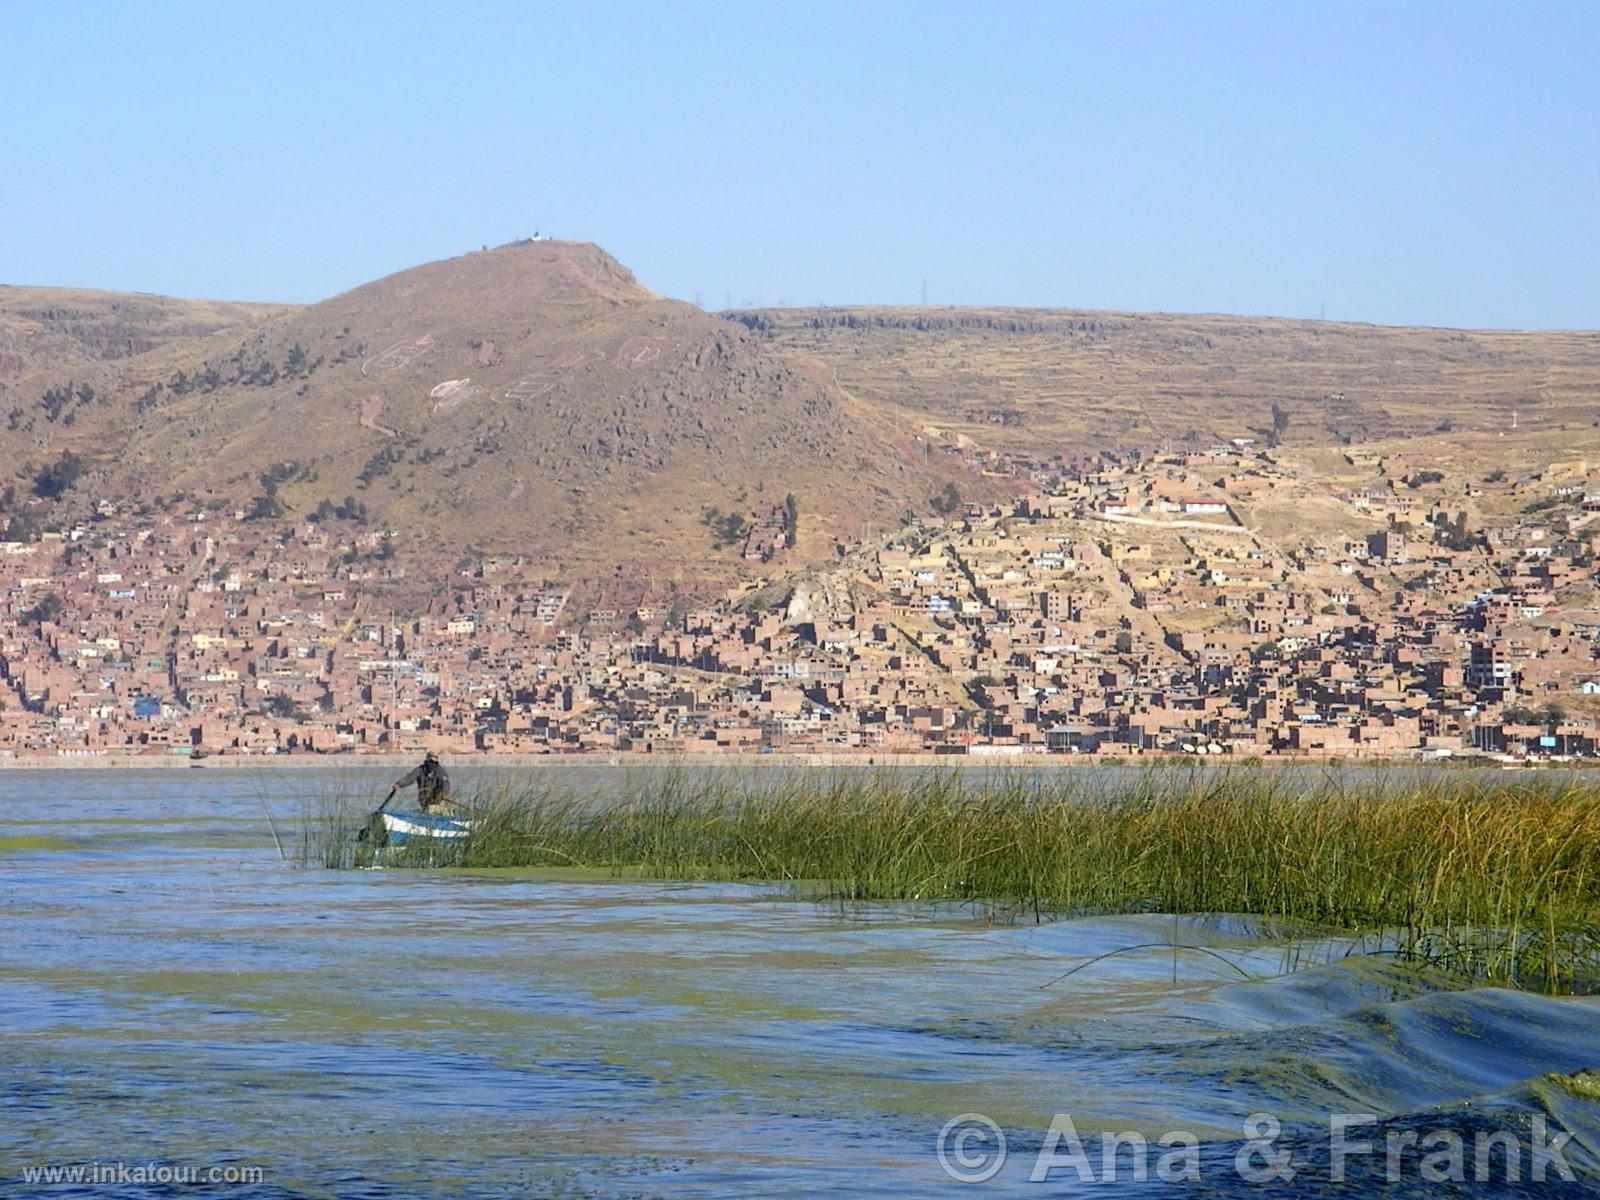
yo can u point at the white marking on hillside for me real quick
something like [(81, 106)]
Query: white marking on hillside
[(448, 387), (544, 377), (453, 393), (637, 352), (396, 356)]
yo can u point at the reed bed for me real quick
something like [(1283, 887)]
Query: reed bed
[(1497, 880)]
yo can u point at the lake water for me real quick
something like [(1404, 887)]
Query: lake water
[(174, 993)]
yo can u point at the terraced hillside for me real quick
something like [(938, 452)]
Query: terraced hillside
[(1045, 379), (536, 400), (66, 354)]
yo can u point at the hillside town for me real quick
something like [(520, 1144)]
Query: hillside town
[(1126, 603)]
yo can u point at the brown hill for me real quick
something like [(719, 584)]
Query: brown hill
[(66, 353), (49, 330), (533, 398), (536, 399), (1042, 379)]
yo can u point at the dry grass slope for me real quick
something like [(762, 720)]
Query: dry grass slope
[(535, 398), (532, 398), (53, 339), (1033, 379)]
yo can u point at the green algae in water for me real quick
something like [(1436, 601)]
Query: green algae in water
[(24, 843), (1583, 1084)]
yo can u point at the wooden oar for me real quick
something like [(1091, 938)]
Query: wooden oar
[(376, 813)]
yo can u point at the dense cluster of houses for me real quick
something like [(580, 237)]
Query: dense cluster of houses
[(1127, 603)]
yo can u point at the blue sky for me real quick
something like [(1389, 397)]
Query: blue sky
[(1409, 163)]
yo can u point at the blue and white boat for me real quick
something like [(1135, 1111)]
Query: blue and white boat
[(403, 828)]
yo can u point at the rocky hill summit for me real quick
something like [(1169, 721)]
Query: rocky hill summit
[(533, 399)]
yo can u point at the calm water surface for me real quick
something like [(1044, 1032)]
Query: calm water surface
[(171, 991)]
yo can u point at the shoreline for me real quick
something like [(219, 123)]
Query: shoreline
[(345, 762), (153, 762)]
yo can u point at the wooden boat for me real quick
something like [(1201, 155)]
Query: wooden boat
[(405, 828)]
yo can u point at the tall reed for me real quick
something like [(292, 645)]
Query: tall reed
[(1499, 880)]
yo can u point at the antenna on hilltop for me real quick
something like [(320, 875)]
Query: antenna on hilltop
[(924, 291)]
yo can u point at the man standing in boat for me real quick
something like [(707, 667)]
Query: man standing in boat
[(432, 784)]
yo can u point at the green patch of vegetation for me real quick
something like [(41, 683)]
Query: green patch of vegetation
[(1494, 881), (947, 501), (17, 524), (268, 506), (1550, 715), (58, 402), (284, 708), (791, 520), (381, 463), (48, 609), (55, 480), (727, 529), (1418, 479), (349, 509), (1280, 425), (1454, 534), (265, 508)]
